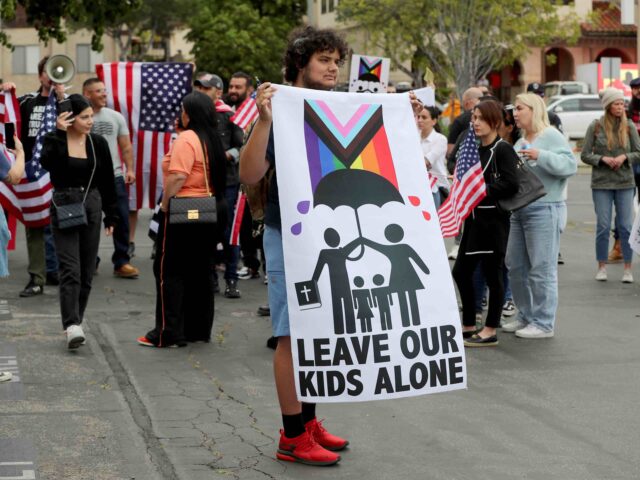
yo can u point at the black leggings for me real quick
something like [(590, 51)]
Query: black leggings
[(492, 265)]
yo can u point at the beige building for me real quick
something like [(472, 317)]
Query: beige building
[(20, 66)]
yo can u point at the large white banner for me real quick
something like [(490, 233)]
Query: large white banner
[(372, 307), (369, 74), (634, 238)]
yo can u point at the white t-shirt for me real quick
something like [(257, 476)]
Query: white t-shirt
[(111, 125), (434, 147)]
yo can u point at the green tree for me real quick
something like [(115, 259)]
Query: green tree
[(461, 40), (243, 35), (52, 17), (152, 21)]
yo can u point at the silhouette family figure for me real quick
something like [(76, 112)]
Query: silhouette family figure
[(403, 281)]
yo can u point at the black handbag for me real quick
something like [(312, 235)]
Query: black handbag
[(189, 210), (530, 189), (74, 214)]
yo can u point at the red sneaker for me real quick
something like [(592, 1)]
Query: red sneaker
[(324, 438), (304, 449)]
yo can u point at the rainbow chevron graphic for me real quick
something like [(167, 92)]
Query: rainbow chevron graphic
[(371, 65), (361, 143)]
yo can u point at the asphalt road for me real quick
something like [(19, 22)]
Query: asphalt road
[(562, 408)]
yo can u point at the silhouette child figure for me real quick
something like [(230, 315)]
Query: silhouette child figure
[(362, 302), (383, 300)]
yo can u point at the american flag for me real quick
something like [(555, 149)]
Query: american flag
[(246, 113), (149, 95), (433, 181), (29, 200), (468, 188)]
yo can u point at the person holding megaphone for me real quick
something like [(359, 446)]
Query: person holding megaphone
[(43, 262)]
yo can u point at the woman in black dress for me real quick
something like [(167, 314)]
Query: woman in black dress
[(81, 170), (486, 229)]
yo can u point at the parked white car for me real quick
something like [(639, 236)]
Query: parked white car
[(552, 89), (576, 112)]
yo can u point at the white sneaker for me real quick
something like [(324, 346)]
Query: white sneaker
[(75, 336), (601, 276), (509, 308), (511, 327), (627, 277), (531, 331), (5, 376), (453, 254)]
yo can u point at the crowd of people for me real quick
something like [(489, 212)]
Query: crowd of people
[(514, 254)]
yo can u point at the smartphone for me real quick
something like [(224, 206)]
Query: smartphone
[(64, 106), (9, 132)]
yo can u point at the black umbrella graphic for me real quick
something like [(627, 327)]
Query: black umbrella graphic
[(355, 188)]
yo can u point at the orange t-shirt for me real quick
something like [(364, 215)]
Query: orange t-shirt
[(186, 157)]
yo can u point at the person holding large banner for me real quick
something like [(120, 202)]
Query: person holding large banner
[(363, 307), (312, 60)]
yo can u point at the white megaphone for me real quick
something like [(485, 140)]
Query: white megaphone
[(60, 69)]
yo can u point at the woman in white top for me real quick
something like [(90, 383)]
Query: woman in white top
[(434, 148)]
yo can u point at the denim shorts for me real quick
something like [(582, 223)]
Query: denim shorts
[(272, 244)]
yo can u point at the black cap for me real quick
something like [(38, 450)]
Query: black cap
[(209, 80), (635, 83), (536, 88)]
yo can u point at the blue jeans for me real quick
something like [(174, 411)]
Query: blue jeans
[(231, 252), (480, 286), (437, 199), (532, 260), (603, 200), (120, 255), (272, 244)]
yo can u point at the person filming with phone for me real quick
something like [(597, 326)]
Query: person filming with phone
[(81, 170)]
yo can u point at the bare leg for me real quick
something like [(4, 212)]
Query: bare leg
[(133, 222), (284, 375)]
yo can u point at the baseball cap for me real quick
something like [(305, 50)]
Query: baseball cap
[(209, 80), (536, 88), (635, 83)]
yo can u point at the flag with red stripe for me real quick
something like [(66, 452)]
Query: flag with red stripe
[(468, 188), (433, 180), (149, 95), (29, 200), (237, 219), (246, 113)]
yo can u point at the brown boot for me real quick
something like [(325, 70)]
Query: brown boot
[(615, 255)]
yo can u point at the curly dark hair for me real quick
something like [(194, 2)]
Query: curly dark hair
[(304, 42)]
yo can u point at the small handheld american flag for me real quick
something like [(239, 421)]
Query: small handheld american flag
[(468, 188), (246, 113)]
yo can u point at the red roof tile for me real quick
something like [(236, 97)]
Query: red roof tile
[(607, 21)]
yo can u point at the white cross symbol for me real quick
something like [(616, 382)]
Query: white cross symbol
[(306, 292)]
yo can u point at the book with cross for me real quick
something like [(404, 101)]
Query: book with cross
[(308, 295)]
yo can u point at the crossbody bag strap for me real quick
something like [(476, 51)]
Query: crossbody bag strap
[(204, 163), (95, 163)]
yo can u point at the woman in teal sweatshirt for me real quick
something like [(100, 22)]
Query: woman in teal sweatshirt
[(534, 237)]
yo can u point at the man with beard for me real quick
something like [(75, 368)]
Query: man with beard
[(231, 137), (240, 87)]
